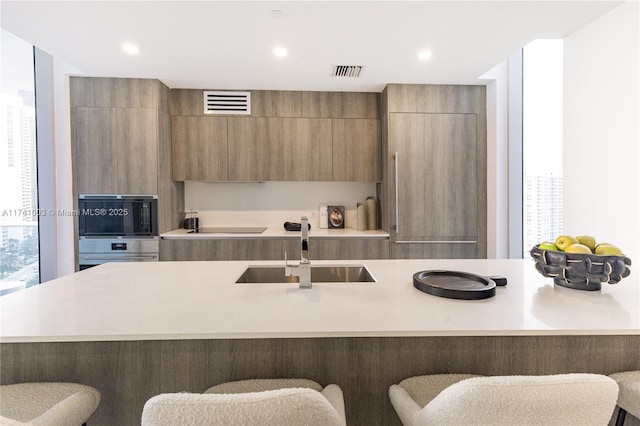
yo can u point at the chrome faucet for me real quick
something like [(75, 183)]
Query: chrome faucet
[(303, 269)]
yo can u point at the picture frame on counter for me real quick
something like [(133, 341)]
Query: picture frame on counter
[(336, 217)]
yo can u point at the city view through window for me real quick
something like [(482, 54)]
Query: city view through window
[(542, 142), (19, 253)]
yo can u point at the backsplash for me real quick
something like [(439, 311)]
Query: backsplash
[(272, 203)]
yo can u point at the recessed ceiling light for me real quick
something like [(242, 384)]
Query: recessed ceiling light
[(424, 55), (279, 52), (275, 14), (130, 48)]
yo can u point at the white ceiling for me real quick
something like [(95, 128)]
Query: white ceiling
[(228, 45)]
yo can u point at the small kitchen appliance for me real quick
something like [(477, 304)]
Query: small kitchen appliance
[(191, 220), (117, 228), (117, 215)]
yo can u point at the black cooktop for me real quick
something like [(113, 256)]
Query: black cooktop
[(230, 230)]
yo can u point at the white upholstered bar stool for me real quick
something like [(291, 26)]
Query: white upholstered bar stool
[(629, 396), (50, 404), (575, 399), (269, 402)]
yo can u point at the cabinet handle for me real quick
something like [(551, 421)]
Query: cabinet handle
[(121, 259), (395, 163), (437, 242)]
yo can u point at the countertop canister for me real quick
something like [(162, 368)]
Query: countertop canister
[(361, 212), (372, 213)]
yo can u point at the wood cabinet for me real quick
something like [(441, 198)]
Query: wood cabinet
[(435, 174), (273, 249), (356, 150), (349, 249), (116, 150), (121, 142), (199, 148), (465, 249), (95, 151), (255, 149), (363, 366), (289, 136), (222, 249), (137, 150), (307, 149)]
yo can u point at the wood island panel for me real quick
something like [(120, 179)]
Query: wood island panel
[(128, 373)]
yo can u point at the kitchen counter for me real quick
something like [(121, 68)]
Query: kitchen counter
[(276, 232), (200, 300)]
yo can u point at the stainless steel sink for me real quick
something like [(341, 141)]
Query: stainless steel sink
[(319, 274)]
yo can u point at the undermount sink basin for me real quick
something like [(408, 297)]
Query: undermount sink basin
[(319, 274)]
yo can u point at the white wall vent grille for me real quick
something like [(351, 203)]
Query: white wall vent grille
[(347, 70), (227, 102)]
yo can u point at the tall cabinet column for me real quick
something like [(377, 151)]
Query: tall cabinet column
[(121, 143), (434, 169)]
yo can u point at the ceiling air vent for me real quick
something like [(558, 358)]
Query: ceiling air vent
[(227, 102), (347, 70)]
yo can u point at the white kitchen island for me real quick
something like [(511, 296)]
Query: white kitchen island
[(135, 330)]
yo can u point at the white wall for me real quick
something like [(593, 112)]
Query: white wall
[(272, 203), (497, 163), (64, 178), (601, 137)]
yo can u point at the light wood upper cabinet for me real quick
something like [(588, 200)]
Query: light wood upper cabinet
[(356, 150), (137, 150), (289, 136), (115, 150), (307, 149), (199, 148), (95, 150), (255, 149)]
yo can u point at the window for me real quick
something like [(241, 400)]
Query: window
[(541, 142), (19, 249)]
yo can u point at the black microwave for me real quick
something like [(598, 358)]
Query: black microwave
[(118, 215)]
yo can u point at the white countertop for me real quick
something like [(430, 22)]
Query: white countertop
[(277, 232), (199, 300)]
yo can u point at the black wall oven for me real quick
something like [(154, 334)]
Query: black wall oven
[(118, 215), (117, 228)]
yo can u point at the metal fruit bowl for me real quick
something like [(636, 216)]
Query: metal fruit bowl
[(580, 271)]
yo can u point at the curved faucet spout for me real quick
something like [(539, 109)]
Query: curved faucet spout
[(303, 269), (304, 240)]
